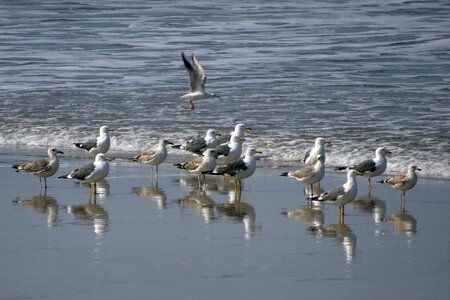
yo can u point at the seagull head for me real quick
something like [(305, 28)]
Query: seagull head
[(54, 151)]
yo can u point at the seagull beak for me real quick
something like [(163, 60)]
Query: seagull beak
[(218, 134), (359, 174), (242, 139), (60, 152), (111, 129), (388, 152), (248, 129), (328, 143), (418, 169), (259, 152), (169, 143), (109, 159)]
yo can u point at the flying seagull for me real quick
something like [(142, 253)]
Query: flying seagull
[(197, 79)]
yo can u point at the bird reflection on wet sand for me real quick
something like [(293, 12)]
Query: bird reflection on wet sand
[(154, 193), (201, 203), (91, 212), (342, 233), (214, 183), (43, 204), (371, 205), (241, 212), (310, 214), (404, 223)]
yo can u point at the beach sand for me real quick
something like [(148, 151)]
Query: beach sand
[(164, 239)]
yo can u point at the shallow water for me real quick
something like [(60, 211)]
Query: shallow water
[(361, 73), (167, 240)]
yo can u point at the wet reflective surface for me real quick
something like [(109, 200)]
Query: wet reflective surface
[(164, 237)]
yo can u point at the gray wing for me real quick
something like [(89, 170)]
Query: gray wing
[(82, 172), (224, 138), (304, 172), (200, 71), (307, 153), (195, 146), (232, 168), (87, 145), (364, 166), (332, 195), (196, 73), (223, 149)]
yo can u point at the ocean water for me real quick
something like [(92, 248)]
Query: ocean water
[(363, 74)]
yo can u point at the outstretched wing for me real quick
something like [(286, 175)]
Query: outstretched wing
[(196, 73)]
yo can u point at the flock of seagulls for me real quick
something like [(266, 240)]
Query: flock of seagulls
[(314, 171), (220, 155)]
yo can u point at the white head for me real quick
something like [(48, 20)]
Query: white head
[(104, 130), (239, 129), (163, 142), (210, 133), (251, 152), (413, 168), (382, 151), (100, 157), (210, 153), (53, 152)]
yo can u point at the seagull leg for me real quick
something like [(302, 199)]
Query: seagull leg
[(45, 182), (191, 105)]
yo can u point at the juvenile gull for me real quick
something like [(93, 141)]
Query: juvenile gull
[(197, 79), (239, 130), (318, 149), (201, 165), (42, 168), (309, 174), (92, 172), (99, 145), (371, 167), (240, 169), (403, 182), (200, 144), (154, 157), (342, 195)]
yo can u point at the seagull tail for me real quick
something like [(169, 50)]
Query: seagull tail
[(176, 146), (64, 176), (179, 166), (17, 167), (285, 174), (382, 181)]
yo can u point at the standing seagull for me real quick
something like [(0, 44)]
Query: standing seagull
[(91, 172), (403, 182), (371, 167), (154, 158), (200, 144), (99, 145), (309, 174), (240, 169), (239, 131), (230, 151), (42, 168), (318, 149), (201, 166), (197, 79), (342, 195)]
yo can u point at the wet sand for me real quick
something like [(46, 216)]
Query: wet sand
[(164, 239)]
